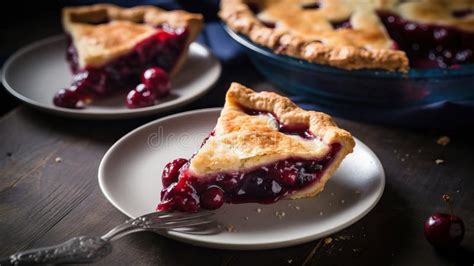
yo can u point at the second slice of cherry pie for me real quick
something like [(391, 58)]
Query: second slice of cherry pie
[(113, 49), (263, 148)]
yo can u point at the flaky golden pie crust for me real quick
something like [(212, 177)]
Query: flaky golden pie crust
[(125, 27), (243, 141), (309, 35)]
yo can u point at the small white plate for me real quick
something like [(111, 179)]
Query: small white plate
[(36, 72), (130, 178)]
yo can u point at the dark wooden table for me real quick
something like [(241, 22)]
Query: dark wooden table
[(43, 202)]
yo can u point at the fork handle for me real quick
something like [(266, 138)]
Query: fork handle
[(81, 249)]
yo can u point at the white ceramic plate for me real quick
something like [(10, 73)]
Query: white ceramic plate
[(36, 72), (130, 178)]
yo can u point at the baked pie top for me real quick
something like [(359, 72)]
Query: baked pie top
[(103, 32), (341, 33), (244, 141)]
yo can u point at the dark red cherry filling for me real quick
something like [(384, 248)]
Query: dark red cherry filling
[(212, 198), (314, 5), (301, 130), (429, 45), (426, 45), (171, 171), (343, 24), (254, 7), (139, 97), (160, 50), (265, 184), (156, 79), (68, 98)]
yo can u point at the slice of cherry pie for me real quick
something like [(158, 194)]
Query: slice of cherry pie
[(113, 49), (385, 34), (263, 148)]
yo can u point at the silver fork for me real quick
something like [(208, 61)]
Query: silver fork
[(85, 249)]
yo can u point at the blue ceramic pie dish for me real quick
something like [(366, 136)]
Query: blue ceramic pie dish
[(378, 88)]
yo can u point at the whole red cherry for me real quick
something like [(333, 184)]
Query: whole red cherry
[(157, 80), (141, 96), (444, 231)]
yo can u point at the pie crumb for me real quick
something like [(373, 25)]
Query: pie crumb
[(343, 201), (259, 210), (328, 240), (58, 159), (246, 218), (297, 207), (290, 261), (443, 140), (321, 213), (439, 161)]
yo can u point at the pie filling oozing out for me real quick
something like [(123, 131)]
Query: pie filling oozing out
[(117, 47), (391, 35), (123, 73), (253, 156), (162, 49)]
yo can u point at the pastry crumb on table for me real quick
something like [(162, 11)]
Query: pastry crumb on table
[(443, 140)]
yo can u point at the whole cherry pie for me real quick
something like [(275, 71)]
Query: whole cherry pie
[(381, 34), (112, 49), (263, 148)]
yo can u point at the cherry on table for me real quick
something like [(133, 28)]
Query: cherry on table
[(443, 230)]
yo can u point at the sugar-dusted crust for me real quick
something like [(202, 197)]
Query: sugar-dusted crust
[(98, 44), (242, 141), (309, 35)]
